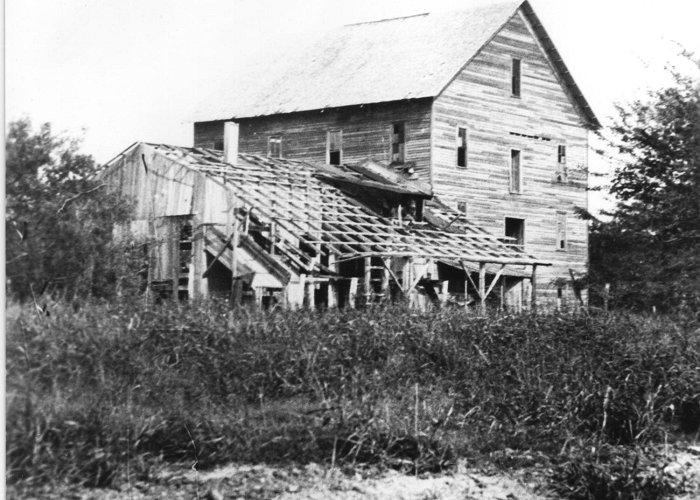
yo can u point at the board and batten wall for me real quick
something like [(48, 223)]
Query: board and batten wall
[(536, 123), (366, 133)]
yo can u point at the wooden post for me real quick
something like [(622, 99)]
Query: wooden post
[(197, 287), (443, 291), (173, 243), (367, 289), (236, 286), (503, 292), (352, 294), (533, 289), (482, 287), (332, 284), (385, 279), (606, 297)]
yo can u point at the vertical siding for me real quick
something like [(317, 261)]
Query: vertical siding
[(480, 99), (366, 133)]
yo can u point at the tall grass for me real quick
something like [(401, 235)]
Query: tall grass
[(102, 393)]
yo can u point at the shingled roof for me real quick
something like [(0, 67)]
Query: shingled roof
[(395, 59)]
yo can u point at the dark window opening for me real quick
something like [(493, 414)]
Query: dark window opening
[(515, 178), (398, 142), (515, 81), (335, 147), (274, 147), (515, 229), (561, 163), (561, 231), (219, 145), (461, 147)]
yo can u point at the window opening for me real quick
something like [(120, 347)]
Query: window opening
[(335, 147), (461, 147), (515, 174), (274, 147), (515, 80), (515, 229), (398, 142), (561, 231), (561, 163)]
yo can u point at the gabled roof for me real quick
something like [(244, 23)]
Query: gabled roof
[(294, 196), (395, 59)]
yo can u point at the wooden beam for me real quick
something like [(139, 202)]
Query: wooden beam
[(533, 289), (469, 277), (495, 279)]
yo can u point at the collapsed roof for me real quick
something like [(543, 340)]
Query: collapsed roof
[(304, 202)]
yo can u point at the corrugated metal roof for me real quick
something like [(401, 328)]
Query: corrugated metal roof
[(380, 61)]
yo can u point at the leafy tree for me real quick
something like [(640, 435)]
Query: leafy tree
[(60, 219), (650, 249)]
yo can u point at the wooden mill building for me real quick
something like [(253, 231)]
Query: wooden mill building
[(477, 105)]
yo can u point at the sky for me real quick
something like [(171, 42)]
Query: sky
[(120, 71)]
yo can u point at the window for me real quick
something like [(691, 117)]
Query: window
[(515, 78), (561, 231), (462, 207), (461, 147), (334, 147), (219, 145), (398, 142), (515, 229), (515, 174), (274, 147), (561, 163)]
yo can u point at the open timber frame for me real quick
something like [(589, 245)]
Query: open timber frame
[(276, 231)]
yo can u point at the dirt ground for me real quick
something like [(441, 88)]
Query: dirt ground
[(314, 482)]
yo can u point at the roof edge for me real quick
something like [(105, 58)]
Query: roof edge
[(559, 65)]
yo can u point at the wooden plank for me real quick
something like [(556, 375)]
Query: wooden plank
[(482, 286)]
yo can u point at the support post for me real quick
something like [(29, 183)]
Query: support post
[(236, 285), (197, 286), (332, 284), (533, 289), (482, 287), (352, 294), (367, 289), (385, 279)]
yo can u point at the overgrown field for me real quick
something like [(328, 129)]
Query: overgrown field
[(103, 393)]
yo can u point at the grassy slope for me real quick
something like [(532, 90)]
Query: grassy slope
[(110, 390)]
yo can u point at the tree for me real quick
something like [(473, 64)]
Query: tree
[(60, 219), (650, 249)]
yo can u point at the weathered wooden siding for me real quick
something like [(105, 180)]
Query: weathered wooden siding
[(366, 133), (480, 99)]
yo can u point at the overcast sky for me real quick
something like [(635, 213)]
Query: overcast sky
[(135, 70)]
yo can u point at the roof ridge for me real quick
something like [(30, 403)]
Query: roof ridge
[(387, 19)]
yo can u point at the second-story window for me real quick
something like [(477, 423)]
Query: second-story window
[(561, 231), (515, 78), (461, 147), (516, 182), (561, 163), (515, 231), (274, 147), (398, 142), (334, 148)]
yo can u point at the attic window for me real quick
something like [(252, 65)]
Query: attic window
[(561, 163), (334, 147), (515, 78), (461, 147), (398, 142), (274, 147)]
